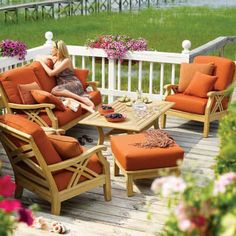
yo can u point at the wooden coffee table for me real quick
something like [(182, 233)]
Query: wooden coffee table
[(132, 124)]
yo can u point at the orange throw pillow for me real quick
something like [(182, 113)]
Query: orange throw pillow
[(25, 94), (67, 147), (200, 85), (82, 75), (188, 70), (45, 97)]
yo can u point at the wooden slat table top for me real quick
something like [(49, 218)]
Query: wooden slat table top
[(131, 122)]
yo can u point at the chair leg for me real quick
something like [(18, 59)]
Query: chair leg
[(19, 191), (56, 207), (116, 169), (206, 129), (129, 185), (163, 121), (107, 185)]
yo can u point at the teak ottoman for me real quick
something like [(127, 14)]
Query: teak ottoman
[(141, 163)]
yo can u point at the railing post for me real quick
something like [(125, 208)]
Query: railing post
[(186, 44), (49, 37), (111, 78)]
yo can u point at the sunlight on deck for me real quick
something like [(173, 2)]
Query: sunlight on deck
[(88, 213)]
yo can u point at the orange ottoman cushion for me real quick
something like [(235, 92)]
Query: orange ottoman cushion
[(135, 158)]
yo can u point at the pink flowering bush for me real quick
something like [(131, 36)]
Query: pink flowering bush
[(11, 210), (11, 48), (199, 211), (117, 47)]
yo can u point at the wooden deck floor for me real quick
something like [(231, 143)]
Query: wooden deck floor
[(88, 213)]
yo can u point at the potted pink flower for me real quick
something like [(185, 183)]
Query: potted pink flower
[(116, 47), (11, 210), (11, 48)]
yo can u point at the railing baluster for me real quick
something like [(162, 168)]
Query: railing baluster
[(129, 76), (103, 72), (83, 62), (73, 60), (150, 77), (93, 69), (118, 74), (173, 74), (140, 71), (161, 79)]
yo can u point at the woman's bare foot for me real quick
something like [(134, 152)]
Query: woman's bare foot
[(88, 102)]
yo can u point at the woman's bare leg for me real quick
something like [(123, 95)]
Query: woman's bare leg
[(86, 103)]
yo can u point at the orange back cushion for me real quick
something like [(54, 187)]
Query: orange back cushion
[(47, 82), (22, 124), (200, 85), (45, 97), (82, 75), (187, 71), (11, 78), (25, 94), (224, 70), (67, 147)]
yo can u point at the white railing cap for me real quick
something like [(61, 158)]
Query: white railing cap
[(49, 37), (186, 44)]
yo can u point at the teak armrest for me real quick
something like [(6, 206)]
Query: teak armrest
[(49, 130), (72, 161), (169, 88), (216, 93), (30, 107), (93, 84)]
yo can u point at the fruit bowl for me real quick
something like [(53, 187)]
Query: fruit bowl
[(105, 109), (115, 117)]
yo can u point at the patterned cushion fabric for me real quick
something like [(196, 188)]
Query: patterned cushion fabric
[(187, 72), (224, 70), (10, 79), (200, 85), (192, 104), (135, 158), (47, 82), (25, 92), (22, 124), (45, 97), (82, 75), (67, 147)]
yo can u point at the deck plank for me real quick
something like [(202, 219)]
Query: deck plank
[(89, 214)]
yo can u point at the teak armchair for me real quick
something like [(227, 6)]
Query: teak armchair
[(208, 109), (39, 168)]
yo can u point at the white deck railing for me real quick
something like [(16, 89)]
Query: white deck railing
[(146, 70)]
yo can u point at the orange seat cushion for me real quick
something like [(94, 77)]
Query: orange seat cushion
[(224, 70), (188, 70), (45, 97), (47, 82), (135, 158), (200, 85), (96, 97), (63, 178), (44, 145), (64, 117), (67, 147), (10, 79), (188, 103), (82, 75), (25, 92)]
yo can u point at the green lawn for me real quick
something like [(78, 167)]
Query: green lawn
[(164, 29)]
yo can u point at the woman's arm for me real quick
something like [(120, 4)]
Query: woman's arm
[(55, 71)]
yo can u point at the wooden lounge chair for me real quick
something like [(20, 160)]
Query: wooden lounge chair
[(55, 167), (194, 105)]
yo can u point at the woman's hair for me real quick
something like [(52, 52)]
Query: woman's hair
[(62, 49)]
